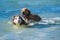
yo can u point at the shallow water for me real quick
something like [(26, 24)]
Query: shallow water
[(47, 29)]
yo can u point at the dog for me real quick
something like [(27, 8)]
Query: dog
[(17, 20), (28, 16)]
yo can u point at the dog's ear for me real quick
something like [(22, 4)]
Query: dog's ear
[(19, 17), (13, 17), (28, 11)]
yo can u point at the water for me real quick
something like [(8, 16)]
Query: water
[(47, 29)]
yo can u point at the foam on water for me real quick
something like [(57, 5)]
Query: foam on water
[(55, 20)]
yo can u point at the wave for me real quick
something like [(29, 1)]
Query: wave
[(55, 20)]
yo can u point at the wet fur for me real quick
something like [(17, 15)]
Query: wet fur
[(33, 17), (30, 16), (22, 21)]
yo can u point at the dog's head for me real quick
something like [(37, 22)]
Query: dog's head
[(16, 20), (25, 12)]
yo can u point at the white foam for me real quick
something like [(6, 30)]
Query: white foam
[(55, 20), (50, 22), (31, 24), (42, 23)]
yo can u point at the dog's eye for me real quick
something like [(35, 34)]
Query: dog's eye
[(23, 13)]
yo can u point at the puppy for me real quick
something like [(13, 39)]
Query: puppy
[(18, 20), (28, 16)]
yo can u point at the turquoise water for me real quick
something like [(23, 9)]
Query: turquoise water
[(48, 29)]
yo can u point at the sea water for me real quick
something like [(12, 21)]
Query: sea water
[(47, 29)]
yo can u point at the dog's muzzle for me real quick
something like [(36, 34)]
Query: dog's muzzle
[(17, 21)]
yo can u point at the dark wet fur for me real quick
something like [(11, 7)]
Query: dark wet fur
[(22, 21)]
